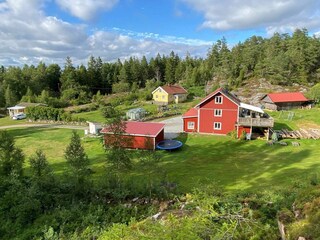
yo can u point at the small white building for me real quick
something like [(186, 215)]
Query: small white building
[(94, 128), (13, 111), (21, 107)]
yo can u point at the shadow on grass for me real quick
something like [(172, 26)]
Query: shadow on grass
[(23, 132), (237, 165)]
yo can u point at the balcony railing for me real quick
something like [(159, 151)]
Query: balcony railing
[(256, 122)]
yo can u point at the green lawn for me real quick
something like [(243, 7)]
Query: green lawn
[(53, 142), (233, 164), (93, 116), (301, 118), (6, 121), (239, 165)]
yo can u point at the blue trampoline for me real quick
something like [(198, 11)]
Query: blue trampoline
[(169, 144)]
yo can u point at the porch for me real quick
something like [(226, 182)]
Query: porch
[(256, 121)]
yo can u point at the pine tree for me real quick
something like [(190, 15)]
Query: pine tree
[(11, 157), (39, 164), (77, 158), (10, 97)]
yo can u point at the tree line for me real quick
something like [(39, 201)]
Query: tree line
[(282, 59)]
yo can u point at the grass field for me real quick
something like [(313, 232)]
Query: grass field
[(232, 164), (302, 118), (53, 142), (8, 121)]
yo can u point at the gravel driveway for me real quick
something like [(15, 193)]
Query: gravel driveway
[(173, 127)]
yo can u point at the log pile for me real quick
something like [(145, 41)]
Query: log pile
[(300, 134)]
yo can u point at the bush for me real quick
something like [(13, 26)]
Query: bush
[(48, 113), (233, 134)]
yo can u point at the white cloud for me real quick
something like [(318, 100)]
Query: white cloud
[(164, 38), (113, 45), (274, 15), (86, 9), (28, 35)]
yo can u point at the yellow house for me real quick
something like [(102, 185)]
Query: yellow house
[(168, 94)]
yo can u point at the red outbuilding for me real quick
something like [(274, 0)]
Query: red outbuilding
[(136, 135), (285, 101), (221, 112)]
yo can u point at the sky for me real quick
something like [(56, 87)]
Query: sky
[(32, 31)]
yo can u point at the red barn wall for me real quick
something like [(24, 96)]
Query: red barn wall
[(243, 128), (185, 124), (140, 142), (228, 119)]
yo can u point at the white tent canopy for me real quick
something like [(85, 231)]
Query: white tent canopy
[(251, 107)]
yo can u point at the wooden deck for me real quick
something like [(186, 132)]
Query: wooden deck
[(256, 122)]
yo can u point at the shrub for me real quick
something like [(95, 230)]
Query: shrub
[(48, 113), (233, 134)]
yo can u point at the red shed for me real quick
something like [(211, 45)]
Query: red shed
[(284, 101), (137, 135)]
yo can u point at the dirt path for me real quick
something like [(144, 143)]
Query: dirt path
[(173, 127)]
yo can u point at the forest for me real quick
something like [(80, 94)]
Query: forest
[(281, 59)]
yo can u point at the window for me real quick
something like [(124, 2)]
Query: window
[(217, 112), (162, 97), (217, 126), (156, 96), (190, 125), (218, 99)]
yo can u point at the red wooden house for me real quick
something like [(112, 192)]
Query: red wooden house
[(136, 135), (221, 112)]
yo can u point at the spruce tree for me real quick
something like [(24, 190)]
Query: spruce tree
[(39, 164), (11, 157), (77, 158)]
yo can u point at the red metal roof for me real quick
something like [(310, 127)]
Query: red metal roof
[(174, 89), (287, 97), (193, 112), (148, 129)]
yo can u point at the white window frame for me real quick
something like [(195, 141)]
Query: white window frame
[(191, 127), (217, 125), (218, 99), (218, 112)]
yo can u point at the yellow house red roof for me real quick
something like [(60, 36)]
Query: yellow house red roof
[(173, 89)]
